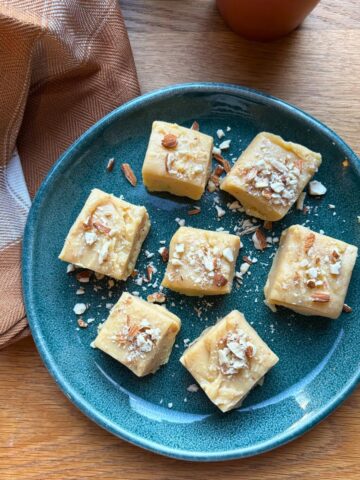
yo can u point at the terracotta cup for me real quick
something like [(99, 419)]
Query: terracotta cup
[(265, 19)]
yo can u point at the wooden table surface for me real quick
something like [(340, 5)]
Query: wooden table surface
[(42, 435)]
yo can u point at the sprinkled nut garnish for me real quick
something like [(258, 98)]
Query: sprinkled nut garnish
[(195, 126), (81, 323), (211, 186), (102, 228), (334, 256), (316, 188), (345, 163), (247, 260), (149, 272), (70, 268), (215, 180), (346, 308), (79, 308), (249, 352), (259, 240), (219, 280), (110, 165), (157, 297), (311, 283), (129, 174), (83, 276), (225, 164), (164, 252), (194, 211), (320, 297), (169, 141), (88, 223), (268, 225), (134, 273), (218, 170), (309, 242), (300, 201)]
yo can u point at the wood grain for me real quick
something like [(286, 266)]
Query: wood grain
[(42, 436)]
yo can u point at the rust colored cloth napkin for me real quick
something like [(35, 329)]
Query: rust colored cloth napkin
[(63, 65)]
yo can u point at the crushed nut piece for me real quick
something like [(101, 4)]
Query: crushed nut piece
[(169, 141), (102, 228), (268, 225), (164, 252), (259, 240), (247, 260), (149, 272), (195, 126), (309, 242), (222, 161), (81, 323), (110, 165), (157, 297), (219, 280), (83, 276), (320, 297), (195, 211), (345, 163), (346, 308), (249, 352), (129, 174), (218, 170)]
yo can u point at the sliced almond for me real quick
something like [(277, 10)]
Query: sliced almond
[(83, 276), (102, 228), (149, 272), (110, 165), (223, 162), (129, 174), (309, 242), (259, 240), (195, 211), (219, 280), (195, 126), (218, 170), (249, 351), (346, 308), (134, 329), (268, 225), (169, 141), (164, 252), (320, 297), (157, 297), (247, 260)]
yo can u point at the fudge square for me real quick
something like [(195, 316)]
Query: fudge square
[(310, 273), (107, 235), (269, 175), (201, 262), (138, 334), (178, 160), (228, 360)]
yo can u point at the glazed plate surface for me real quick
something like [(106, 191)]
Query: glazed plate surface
[(319, 358)]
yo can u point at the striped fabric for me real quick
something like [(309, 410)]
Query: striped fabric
[(63, 65)]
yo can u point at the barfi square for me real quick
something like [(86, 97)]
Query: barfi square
[(201, 262), (228, 360), (138, 334), (178, 160), (269, 175), (107, 235), (310, 273)]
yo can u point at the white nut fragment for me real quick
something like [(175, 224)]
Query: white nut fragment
[(192, 388), (335, 268), (79, 308), (220, 133), (225, 145), (228, 254), (70, 268), (312, 272), (317, 188), (90, 238), (180, 248), (244, 267), (220, 211), (300, 201), (216, 151), (104, 252)]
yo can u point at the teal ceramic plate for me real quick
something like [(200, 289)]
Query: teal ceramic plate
[(319, 358)]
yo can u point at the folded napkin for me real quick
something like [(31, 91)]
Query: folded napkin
[(63, 65)]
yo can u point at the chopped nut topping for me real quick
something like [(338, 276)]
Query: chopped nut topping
[(320, 297), (129, 174), (212, 185), (247, 260), (194, 211), (249, 351), (346, 308), (311, 283), (70, 268), (110, 165), (224, 163), (169, 141), (317, 188), (259, 240), (81, 323), (219, 170), (102, 228), (234, 352), (79, 308), (83, 276), (157, 297), (134, 273), (268, 225), (219, 280), (139, 339), (149, 272), (309, 242), (300, 201), (228, 254), (195, 126), (164, 252)]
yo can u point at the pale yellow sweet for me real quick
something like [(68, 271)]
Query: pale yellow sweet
[(138, 334), (201, 262), (269, 175), (310, 273), (228, 360), (182, 170), (107, 235)]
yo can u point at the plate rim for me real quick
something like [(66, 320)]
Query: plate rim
[(27, 254)]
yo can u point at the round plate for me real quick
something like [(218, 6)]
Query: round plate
[(319, 358)]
